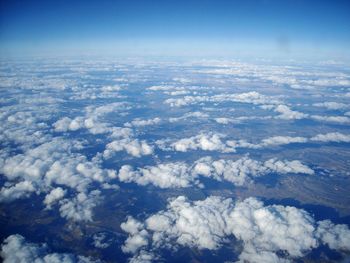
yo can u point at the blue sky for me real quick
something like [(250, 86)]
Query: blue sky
[(176, 27)]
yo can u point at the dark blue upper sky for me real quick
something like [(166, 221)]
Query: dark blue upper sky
[(255, 26)]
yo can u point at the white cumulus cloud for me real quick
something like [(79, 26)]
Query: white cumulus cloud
[(133, 147), (208, 224), (16, 249)]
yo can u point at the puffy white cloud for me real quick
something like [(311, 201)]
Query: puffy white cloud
[(180, 174), (335, 236), (93, 119), (98, 111), (139, 122), (284, 140), (173, 90), (94, 92), (223, 120), (335, 119), (177, 93), (332, 105), (339, 81), (101, 240), (53, 168), (331, 137), (254, 255), (133, 147), (244, 170), (80, 208), (68, 124), (54, 162), (216, 142), (208, 224), (168, 175), (251, 97), (182, 80), (76, 173), (195, 114), (237, 172), (205, 142), (287, 114), (138, 236), (284, 167), (35, 160), (118, 132), (19, 190), (143, 257), (281, 140), (16, 249), (163, 88), (266, 102), (23, 125), (267, 142), (200, 225), (186, 100), (273, 228), (55, 195), (111, 88)]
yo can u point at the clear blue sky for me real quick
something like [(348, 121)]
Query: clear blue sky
[(175, 27)]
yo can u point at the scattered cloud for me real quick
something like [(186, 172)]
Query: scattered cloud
[(67, 124), (186, 116), (133, 147), (335, 236), (168, 175), (287, 114), (52, 168), (93, 119), (180, 174), (15, 191), (208, 224), (101, 240), (80, 208), (203, 141), (281, 140), (138, 235), (215, 142), (332, 105), (55, 195), (243, 170), (16, 249), (54, 128), (334, 119), (140, 123), (251, 97), (224, 120), (331, 137)]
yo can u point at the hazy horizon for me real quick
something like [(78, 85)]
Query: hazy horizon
[(263, 28)]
